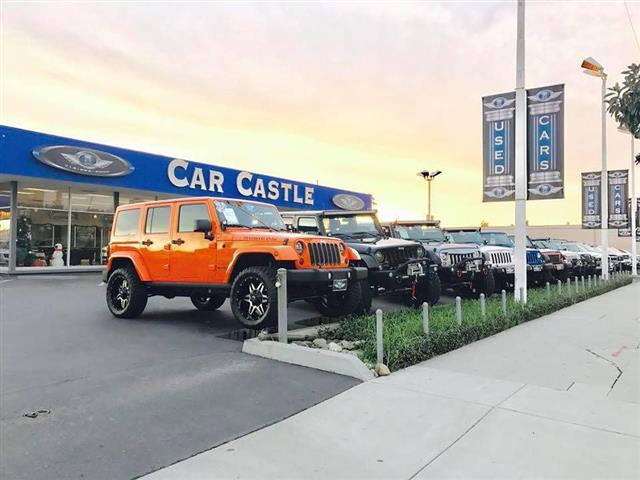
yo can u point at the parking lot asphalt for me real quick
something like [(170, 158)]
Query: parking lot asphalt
[(127, 397)]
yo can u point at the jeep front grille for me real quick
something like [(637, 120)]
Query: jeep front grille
[(533, 259), (396, 256), (499, 258), (554, 257), (459, 257), (324, 253)]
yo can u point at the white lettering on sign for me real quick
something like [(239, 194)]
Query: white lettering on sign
[(247, 184), (179, 177)]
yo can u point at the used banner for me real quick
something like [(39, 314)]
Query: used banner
[(545, 142), (591, 209), (618, 181), (498, 135)]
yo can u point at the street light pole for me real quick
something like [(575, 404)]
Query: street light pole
[(592, 67), (520, 290), (633, 208), (429, 176)]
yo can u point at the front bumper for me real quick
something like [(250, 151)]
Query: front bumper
[(306, 276), (399, 277)]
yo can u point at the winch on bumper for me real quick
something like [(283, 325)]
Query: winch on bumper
[(463, 272), (402, 276)]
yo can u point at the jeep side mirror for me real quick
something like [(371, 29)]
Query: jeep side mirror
[(204, 226), (290, 227)]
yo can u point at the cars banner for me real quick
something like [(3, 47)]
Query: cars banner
[(545, 142), (591, 188), (618, 192), (498, 134), (626, 231)]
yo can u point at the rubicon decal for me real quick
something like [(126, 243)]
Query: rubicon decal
[(83, 161)]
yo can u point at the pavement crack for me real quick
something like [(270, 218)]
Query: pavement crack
[(610, 362), (463, 434)]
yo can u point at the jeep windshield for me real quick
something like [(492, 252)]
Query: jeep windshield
[(249, 215), (355, 227), (465, 237), (497, 239), (420, 233)]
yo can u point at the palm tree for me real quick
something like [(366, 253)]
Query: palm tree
[(624, 102)]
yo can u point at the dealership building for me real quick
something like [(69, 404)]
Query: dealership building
[(57, 191)]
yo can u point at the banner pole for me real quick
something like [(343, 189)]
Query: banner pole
[(520, 289), (604, 192)]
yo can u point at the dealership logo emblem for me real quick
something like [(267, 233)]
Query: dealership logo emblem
[(348, 202), (83, 161), (500, 102)]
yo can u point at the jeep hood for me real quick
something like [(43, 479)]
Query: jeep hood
[(381, 243)]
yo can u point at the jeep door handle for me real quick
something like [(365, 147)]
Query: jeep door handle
[(177, 241), (147, 242)]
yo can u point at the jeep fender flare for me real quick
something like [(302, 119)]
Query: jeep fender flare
[(369, 261), (135, 259), (279, 253)]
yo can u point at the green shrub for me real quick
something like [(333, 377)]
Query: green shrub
[(405, 344)]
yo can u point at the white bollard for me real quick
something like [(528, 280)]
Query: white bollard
[(548, 286), (569, 285), (559, 287), (459, 310), (379, 336), (283, 321), (504, 302), (483, 306), (425, 318), (582, 282)]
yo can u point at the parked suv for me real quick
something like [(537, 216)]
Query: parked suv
[(213, 249), (395, 266), (462, 266), (501, 258), (538, 270)]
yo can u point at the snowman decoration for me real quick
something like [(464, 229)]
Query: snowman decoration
[(57, 257)]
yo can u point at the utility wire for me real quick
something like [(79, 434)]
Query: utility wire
[(633, 29)]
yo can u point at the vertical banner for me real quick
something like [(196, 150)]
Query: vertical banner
[(591, 209), (626, 231), (545, 142), (618, 181), (498, 139)]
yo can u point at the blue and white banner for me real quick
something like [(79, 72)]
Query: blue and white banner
[(498, 134), (545, 142), (591, 190), (618, 181)]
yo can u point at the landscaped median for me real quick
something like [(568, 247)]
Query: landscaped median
[(404, 340)]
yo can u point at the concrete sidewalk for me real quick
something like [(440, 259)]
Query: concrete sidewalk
[(556, 397)]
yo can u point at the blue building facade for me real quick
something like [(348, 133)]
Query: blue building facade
[(58, 195)]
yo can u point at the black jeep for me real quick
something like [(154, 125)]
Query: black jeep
[(395, 266), (463, 268)]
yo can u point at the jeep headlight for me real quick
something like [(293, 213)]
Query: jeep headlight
[(379, 256), (299, 247), (341, 248), (420, 252)]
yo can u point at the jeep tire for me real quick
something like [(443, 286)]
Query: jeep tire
[(345, 303), (254, 297), (484, 284), (126, 294), (366, 298), (207, 301), (427, 290)]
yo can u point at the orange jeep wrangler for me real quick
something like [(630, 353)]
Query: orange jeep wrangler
[(211, 249)]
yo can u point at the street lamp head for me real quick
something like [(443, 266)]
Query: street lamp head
[(436, 173), (592, 67), (427, 175)]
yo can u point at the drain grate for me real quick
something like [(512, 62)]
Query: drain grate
[(240, 335)]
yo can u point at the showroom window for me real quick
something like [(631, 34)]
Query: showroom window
[(5, 224), (91, 219), (41, 226)]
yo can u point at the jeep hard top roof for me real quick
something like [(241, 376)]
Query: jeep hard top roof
[(322, 213), (468, 229), (190, 199), (430, 223)]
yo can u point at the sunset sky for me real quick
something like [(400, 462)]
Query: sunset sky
[(353, 95)]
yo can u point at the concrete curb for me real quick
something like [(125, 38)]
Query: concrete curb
[(335, 362)]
